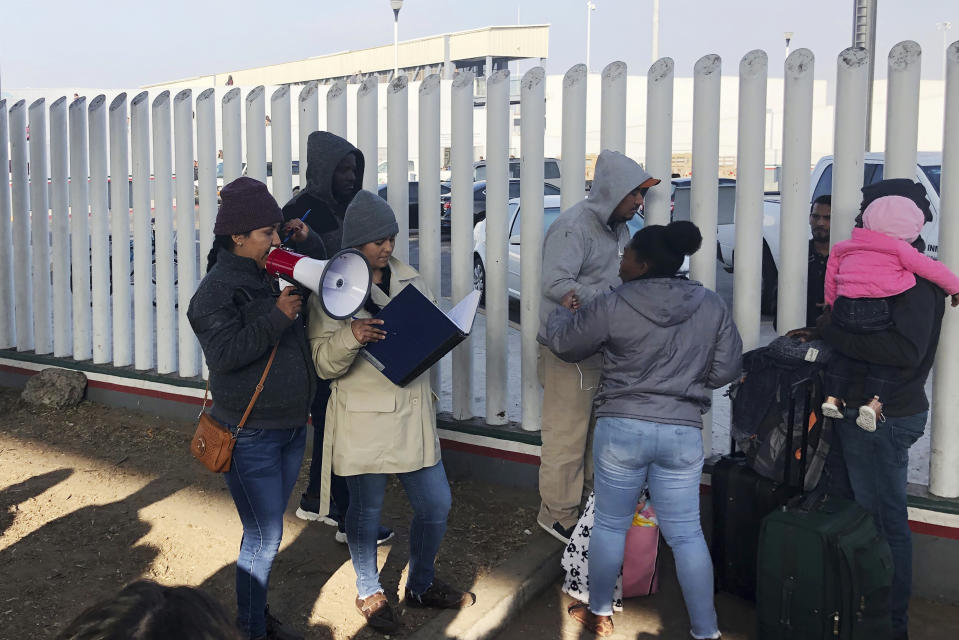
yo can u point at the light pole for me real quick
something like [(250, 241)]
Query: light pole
[(788, 36), (944, 27), (590, 8), (396, 5)]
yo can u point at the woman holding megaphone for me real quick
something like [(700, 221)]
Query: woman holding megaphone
[(245, 327), (375, 428)]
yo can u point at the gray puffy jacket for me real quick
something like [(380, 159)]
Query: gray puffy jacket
[(666, 343)]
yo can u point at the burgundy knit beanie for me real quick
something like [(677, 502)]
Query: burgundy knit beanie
[(245, 205)]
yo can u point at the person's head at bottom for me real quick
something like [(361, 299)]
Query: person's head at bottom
[(145, 610), (658, 251)]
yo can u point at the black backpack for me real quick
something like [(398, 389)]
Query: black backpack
[(781, 389)]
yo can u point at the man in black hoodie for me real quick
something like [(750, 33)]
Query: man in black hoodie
[(334, 174), (872, 467)]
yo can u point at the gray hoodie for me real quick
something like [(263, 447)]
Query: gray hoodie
[(581, 251), (666, 342)]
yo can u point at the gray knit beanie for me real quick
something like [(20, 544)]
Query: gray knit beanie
[(368, 218), (245, 205)]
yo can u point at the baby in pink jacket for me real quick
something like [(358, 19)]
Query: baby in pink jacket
[(877, 262)]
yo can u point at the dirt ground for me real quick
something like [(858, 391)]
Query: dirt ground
[(92, 498)]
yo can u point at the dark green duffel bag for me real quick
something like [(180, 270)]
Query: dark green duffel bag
[(824, 572)]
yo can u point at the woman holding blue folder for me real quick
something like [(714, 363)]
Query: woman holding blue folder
[(375, 428)]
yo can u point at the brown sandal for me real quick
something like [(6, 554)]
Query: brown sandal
[(378, 612), (602, 626)]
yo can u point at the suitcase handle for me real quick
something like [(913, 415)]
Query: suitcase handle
[(785, 606)]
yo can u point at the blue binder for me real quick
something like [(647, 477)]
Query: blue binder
[(418, 334)]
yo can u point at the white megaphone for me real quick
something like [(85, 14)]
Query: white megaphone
[(342, 283)]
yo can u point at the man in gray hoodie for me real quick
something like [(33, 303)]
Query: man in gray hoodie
[(581, 253)]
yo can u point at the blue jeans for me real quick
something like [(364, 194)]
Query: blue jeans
[(627, 453), (266, 463), (429, 495), (876, 464)]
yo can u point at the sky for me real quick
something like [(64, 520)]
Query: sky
[(111, 44)]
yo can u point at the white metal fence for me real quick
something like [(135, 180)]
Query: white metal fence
[(65, 275)]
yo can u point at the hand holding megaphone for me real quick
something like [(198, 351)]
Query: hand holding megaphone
[(290, 302), (341, 283)]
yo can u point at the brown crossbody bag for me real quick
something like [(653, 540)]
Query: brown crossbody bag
[(212, 443)]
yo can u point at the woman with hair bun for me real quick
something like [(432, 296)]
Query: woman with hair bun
[(667, 342)]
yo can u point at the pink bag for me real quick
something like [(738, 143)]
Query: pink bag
[(641, 557)]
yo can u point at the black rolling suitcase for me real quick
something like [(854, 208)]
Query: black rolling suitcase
[(741, 498), (824, 572)]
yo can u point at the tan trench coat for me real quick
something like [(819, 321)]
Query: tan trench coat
[(372, 425)]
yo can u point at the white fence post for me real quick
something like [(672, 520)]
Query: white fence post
[(309, 121), (255, 134), (336, 109), (612, 124), (40, 229), (850, 141), (397, 158), (120, 232), (100, 233), (794, 217), (428, 191), (573, 161), (188, 349), (231, 123), (206, 162), (750, 172), (80, 231), (280, 134), (659, 140), (497, 244), (60, 219), (367, 132), (144, 315), (902, 111), (704, 191), (944, 461), (164, 257), (461, 231), (8, 321), (20, 201), (532, 133)]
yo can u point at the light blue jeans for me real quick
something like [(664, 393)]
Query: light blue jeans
[(627, 453), (429, 495)]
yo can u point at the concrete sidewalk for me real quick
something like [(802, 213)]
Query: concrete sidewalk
[(523, 600)]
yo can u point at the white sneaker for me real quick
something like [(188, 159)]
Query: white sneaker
[(867, 418), (831, 410)]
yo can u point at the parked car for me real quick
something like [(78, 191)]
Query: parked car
[(551, 211), (414, 200), (550, 170), (681, 191), (928, 173), (479, 201), (381, 173)]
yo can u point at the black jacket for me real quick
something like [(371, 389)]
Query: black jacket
[(235, 318), (911, 344), (324, 151)]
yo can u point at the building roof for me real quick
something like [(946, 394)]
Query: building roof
[(504, 42)]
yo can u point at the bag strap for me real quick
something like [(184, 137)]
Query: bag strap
[(256, 392)]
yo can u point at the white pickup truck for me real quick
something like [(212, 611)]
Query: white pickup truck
[(928, 171)]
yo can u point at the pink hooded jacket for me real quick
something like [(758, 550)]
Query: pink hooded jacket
[(879, 261)]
